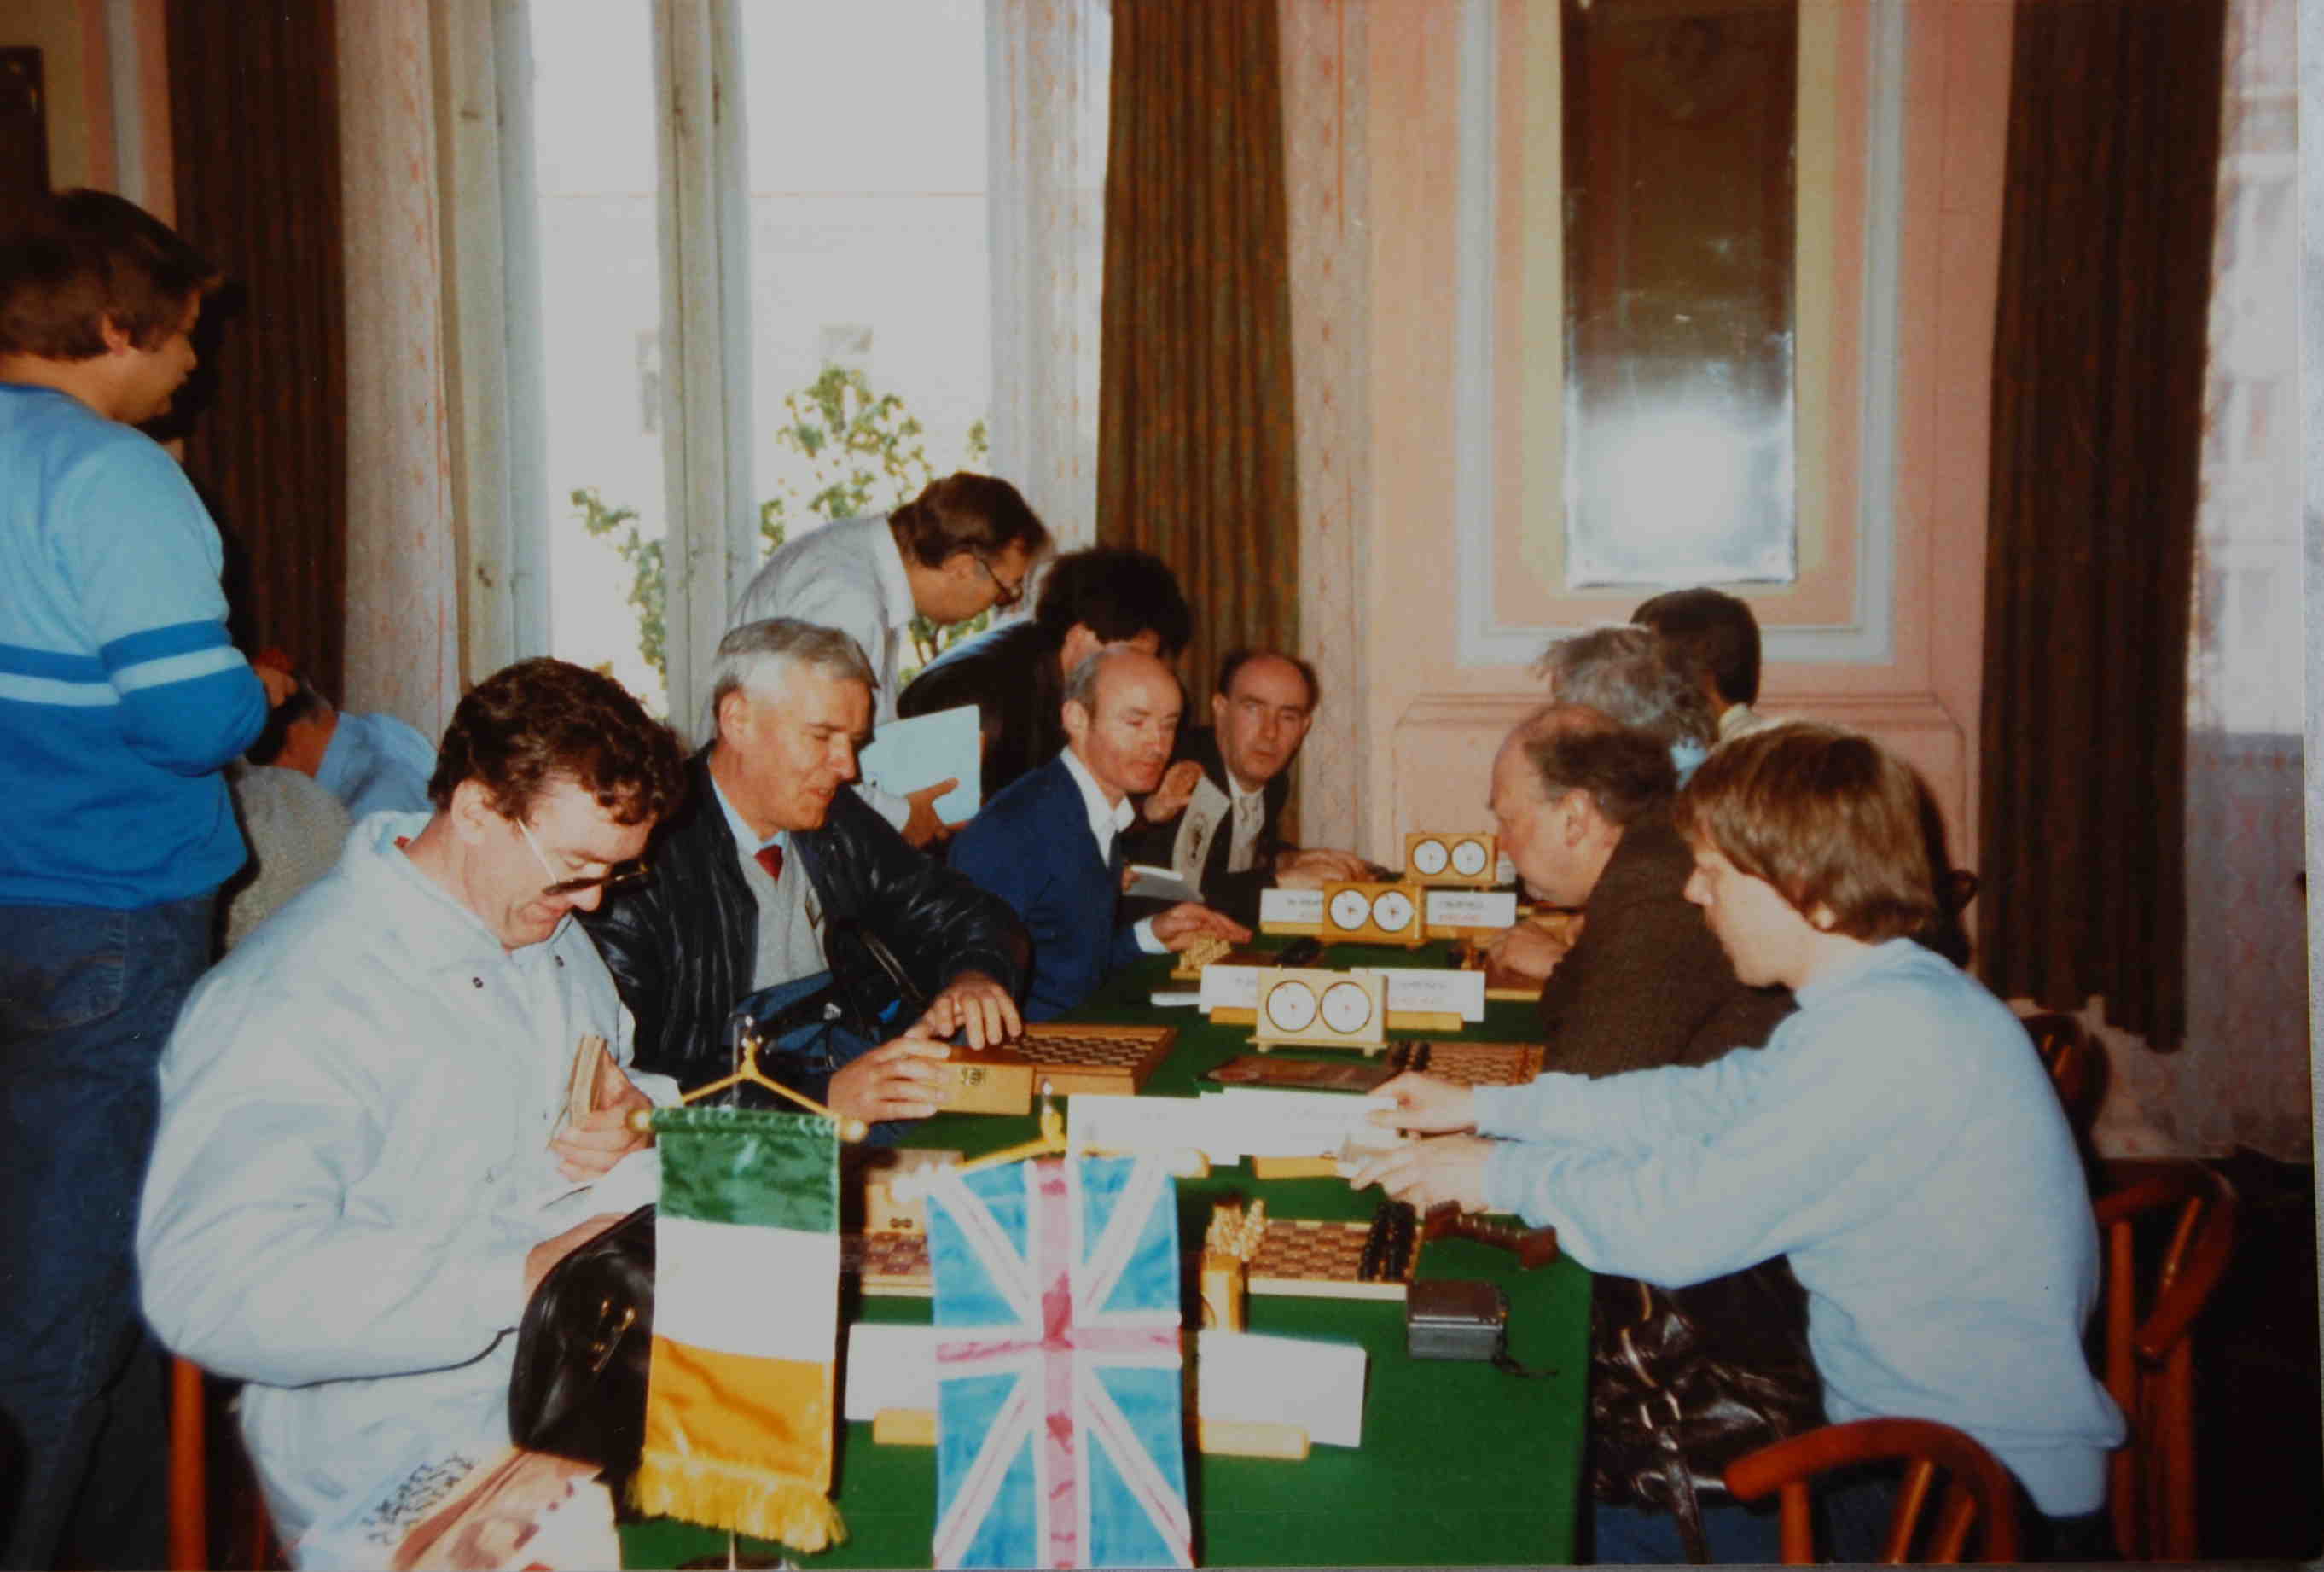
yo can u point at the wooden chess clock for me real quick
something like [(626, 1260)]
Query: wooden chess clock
[(1321, 1009), (1431, 858), (1373, 914)]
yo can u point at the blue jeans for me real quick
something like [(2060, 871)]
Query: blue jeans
[(88, 998)]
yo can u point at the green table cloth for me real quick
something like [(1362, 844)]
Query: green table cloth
[(1461, 1463)]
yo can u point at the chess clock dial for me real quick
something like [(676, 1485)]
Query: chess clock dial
[(1291, 1007), (1392, 911), (1347, 1008), (1428, 858), (1350, 908), (1469, 858)]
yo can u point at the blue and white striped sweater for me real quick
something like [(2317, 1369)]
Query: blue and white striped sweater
[(121, 695)]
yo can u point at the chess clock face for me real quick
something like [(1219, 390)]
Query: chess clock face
[(1469, 858), (1429, 857), (1347, 1008), (1349, 910), (1291, 1006), (1392, 911)]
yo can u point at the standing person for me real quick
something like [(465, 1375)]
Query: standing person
[(1015, 674), (966, 545), (1898, 1138), (121, 698)]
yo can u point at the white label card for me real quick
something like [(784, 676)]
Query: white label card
[(1471, 909), (1449, 992), (1226, 988), (1291, 906)]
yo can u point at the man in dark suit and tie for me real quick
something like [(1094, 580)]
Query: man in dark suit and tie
[(1216, 821), (1050, 845)]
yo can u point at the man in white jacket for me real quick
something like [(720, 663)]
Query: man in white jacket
[(363, 1165)]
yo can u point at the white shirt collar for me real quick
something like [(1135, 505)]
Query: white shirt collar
[(895, 584), (746, 840), (1106, 819), (1235, 793)]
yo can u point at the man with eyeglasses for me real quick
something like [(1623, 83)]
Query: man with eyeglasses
[(366, 1159), (967, 544), (755, 879)]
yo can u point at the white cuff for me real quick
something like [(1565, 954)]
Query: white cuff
[(1144, 934)]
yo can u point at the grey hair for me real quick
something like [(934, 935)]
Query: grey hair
[(1628, 672), (1081, 683), (755, 656)]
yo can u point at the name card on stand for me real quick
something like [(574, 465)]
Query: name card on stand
[(1291, 912), (1464, 913)]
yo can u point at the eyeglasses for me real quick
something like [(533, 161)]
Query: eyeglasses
[(1010, 594), (617, 877)]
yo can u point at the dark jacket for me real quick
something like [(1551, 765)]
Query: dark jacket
[(1010, 674), (682, 945), (1031, 846), (1236, 894), (1647, 984)]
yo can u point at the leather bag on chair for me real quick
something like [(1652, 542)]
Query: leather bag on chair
[(579, 1390), (1684, 1382)]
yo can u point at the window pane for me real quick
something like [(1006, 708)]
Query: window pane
[(869, 249), (595, 184)]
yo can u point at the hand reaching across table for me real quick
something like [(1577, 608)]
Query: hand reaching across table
[(1428, 1105), (1429, 1173), (1189, 920)]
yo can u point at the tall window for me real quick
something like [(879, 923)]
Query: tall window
[(852, 305)]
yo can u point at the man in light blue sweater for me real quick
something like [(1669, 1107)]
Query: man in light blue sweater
[(120, 699), (1897, 1138)]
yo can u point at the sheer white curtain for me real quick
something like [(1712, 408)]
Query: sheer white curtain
[(1049, 62), (2242, 1079)]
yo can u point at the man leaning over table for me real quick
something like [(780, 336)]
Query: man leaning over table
[(361, 1173), (121, 698), (1217, 819), (770, 853), (966, 545), (1582, 806), (1050, 845), (1898, 1139)]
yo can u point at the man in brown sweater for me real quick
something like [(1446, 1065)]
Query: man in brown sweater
[(1582, 806)]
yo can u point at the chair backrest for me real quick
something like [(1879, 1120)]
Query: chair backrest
[(2150, 1362), (1978, 1494), (2076, 1067)]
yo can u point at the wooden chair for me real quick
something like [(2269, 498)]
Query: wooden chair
[(1979, 1492), (190, 1481), (2076, 1067), (2150, 1357)]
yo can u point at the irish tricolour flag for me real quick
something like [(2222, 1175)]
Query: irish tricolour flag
[(739, 1408)]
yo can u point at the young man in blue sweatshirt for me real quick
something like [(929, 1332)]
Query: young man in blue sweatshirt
[(120, 698), (1898, 1138)]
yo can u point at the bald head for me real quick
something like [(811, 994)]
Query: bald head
[(1121, 717)]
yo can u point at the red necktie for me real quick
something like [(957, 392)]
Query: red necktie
[(770, 857)]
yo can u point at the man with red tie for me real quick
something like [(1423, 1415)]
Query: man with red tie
[(770, 860)]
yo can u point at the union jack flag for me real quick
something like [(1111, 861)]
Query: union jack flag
[(1060, 1435)]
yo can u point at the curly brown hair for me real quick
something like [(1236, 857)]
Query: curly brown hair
[(544, 720)]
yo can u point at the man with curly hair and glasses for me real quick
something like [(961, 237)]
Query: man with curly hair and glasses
[(366, 1159)]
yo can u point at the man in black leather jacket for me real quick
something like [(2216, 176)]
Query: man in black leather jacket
[(770, 856)]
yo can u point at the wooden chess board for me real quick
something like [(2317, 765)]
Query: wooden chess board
[(1472, 1064), (1305, 1258), (891, 1266), (1073, 1061)]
